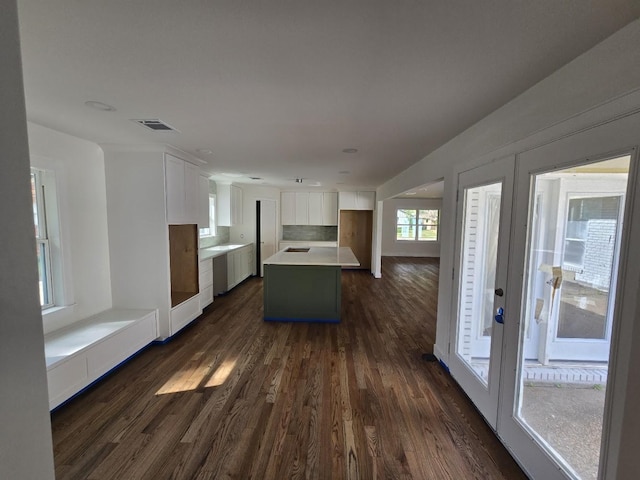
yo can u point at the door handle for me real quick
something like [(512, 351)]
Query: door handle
[(499, 292), (500, 315)]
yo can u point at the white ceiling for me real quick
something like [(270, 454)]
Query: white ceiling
[(277, 89)]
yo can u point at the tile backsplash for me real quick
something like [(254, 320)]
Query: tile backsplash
[(222, 237), (310, 232)]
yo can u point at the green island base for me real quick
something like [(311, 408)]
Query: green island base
[(302, 293)]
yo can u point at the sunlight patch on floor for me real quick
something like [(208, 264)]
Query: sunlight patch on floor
[(190, 379), (221, 374)]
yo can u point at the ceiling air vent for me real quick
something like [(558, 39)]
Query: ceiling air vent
[(156, 125)]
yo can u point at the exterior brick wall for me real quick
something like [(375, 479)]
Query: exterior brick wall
[(598, 255)]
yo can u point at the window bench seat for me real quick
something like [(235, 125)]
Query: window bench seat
[(80, 354)]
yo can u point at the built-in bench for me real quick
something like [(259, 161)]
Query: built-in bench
[(81, 353)]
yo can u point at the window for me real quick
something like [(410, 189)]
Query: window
[(417, 225), (211, 231), (42, 239)]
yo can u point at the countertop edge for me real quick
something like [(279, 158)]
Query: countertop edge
[(205, 253)]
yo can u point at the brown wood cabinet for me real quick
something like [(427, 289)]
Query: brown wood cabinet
[(356, 231)]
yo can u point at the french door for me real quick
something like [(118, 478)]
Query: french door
[(482, 225), (567, 253), (539, 293)]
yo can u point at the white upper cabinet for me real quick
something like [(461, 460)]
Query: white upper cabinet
[(203, 202), (316, 208), (181, 189), (191, 193), (288, 208), (309, 208), (229, 200), (357, 200), (302, 208), (330, 208)]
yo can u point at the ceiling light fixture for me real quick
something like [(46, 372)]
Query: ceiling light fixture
[(298, 180), (103, 107), (350, 150), (204, 151)]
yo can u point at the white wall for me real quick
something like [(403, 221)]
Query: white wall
[(80, 178), (600, 85), (26, 450), (393, 247)]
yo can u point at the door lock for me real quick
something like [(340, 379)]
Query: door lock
[(500, 315)]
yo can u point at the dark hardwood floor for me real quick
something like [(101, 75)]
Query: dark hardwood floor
[(235, 397)]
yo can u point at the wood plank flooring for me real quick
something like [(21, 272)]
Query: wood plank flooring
[(235, 397)]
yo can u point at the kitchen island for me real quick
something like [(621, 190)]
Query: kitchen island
[(304, 284)]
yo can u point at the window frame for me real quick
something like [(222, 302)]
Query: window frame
[(41, 232), (212, 231), (417, 226)]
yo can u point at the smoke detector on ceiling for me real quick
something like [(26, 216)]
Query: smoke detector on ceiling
[(156, 125)]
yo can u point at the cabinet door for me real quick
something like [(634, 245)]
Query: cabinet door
[(223, 200), (288, 208), (191, 190), (329, 208), (302, 208), (348, 200), (203, 202), (243, 261), (316, 208), (365, 200), (231, 270), (174, 182), (236, 205)]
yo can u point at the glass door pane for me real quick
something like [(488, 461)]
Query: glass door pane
[(479, 257), (572, 262), (483, 216)]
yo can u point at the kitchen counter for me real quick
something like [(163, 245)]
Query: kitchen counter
[(323, 256), (305, 286), (212, 252)]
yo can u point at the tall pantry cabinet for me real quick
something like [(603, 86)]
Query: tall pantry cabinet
[(152, 220)]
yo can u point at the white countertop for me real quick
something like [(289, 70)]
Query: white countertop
[(327, 256), (211, 252)]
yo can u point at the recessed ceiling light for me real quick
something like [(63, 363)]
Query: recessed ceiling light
[(350, 150), (410, 193), (235, 175), (255, 178), (204, 151), (99, 106)]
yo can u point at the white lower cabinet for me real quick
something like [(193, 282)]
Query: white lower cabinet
[(184, 313), (205, 282), (97, 345), (66, 379), (239, 265)]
